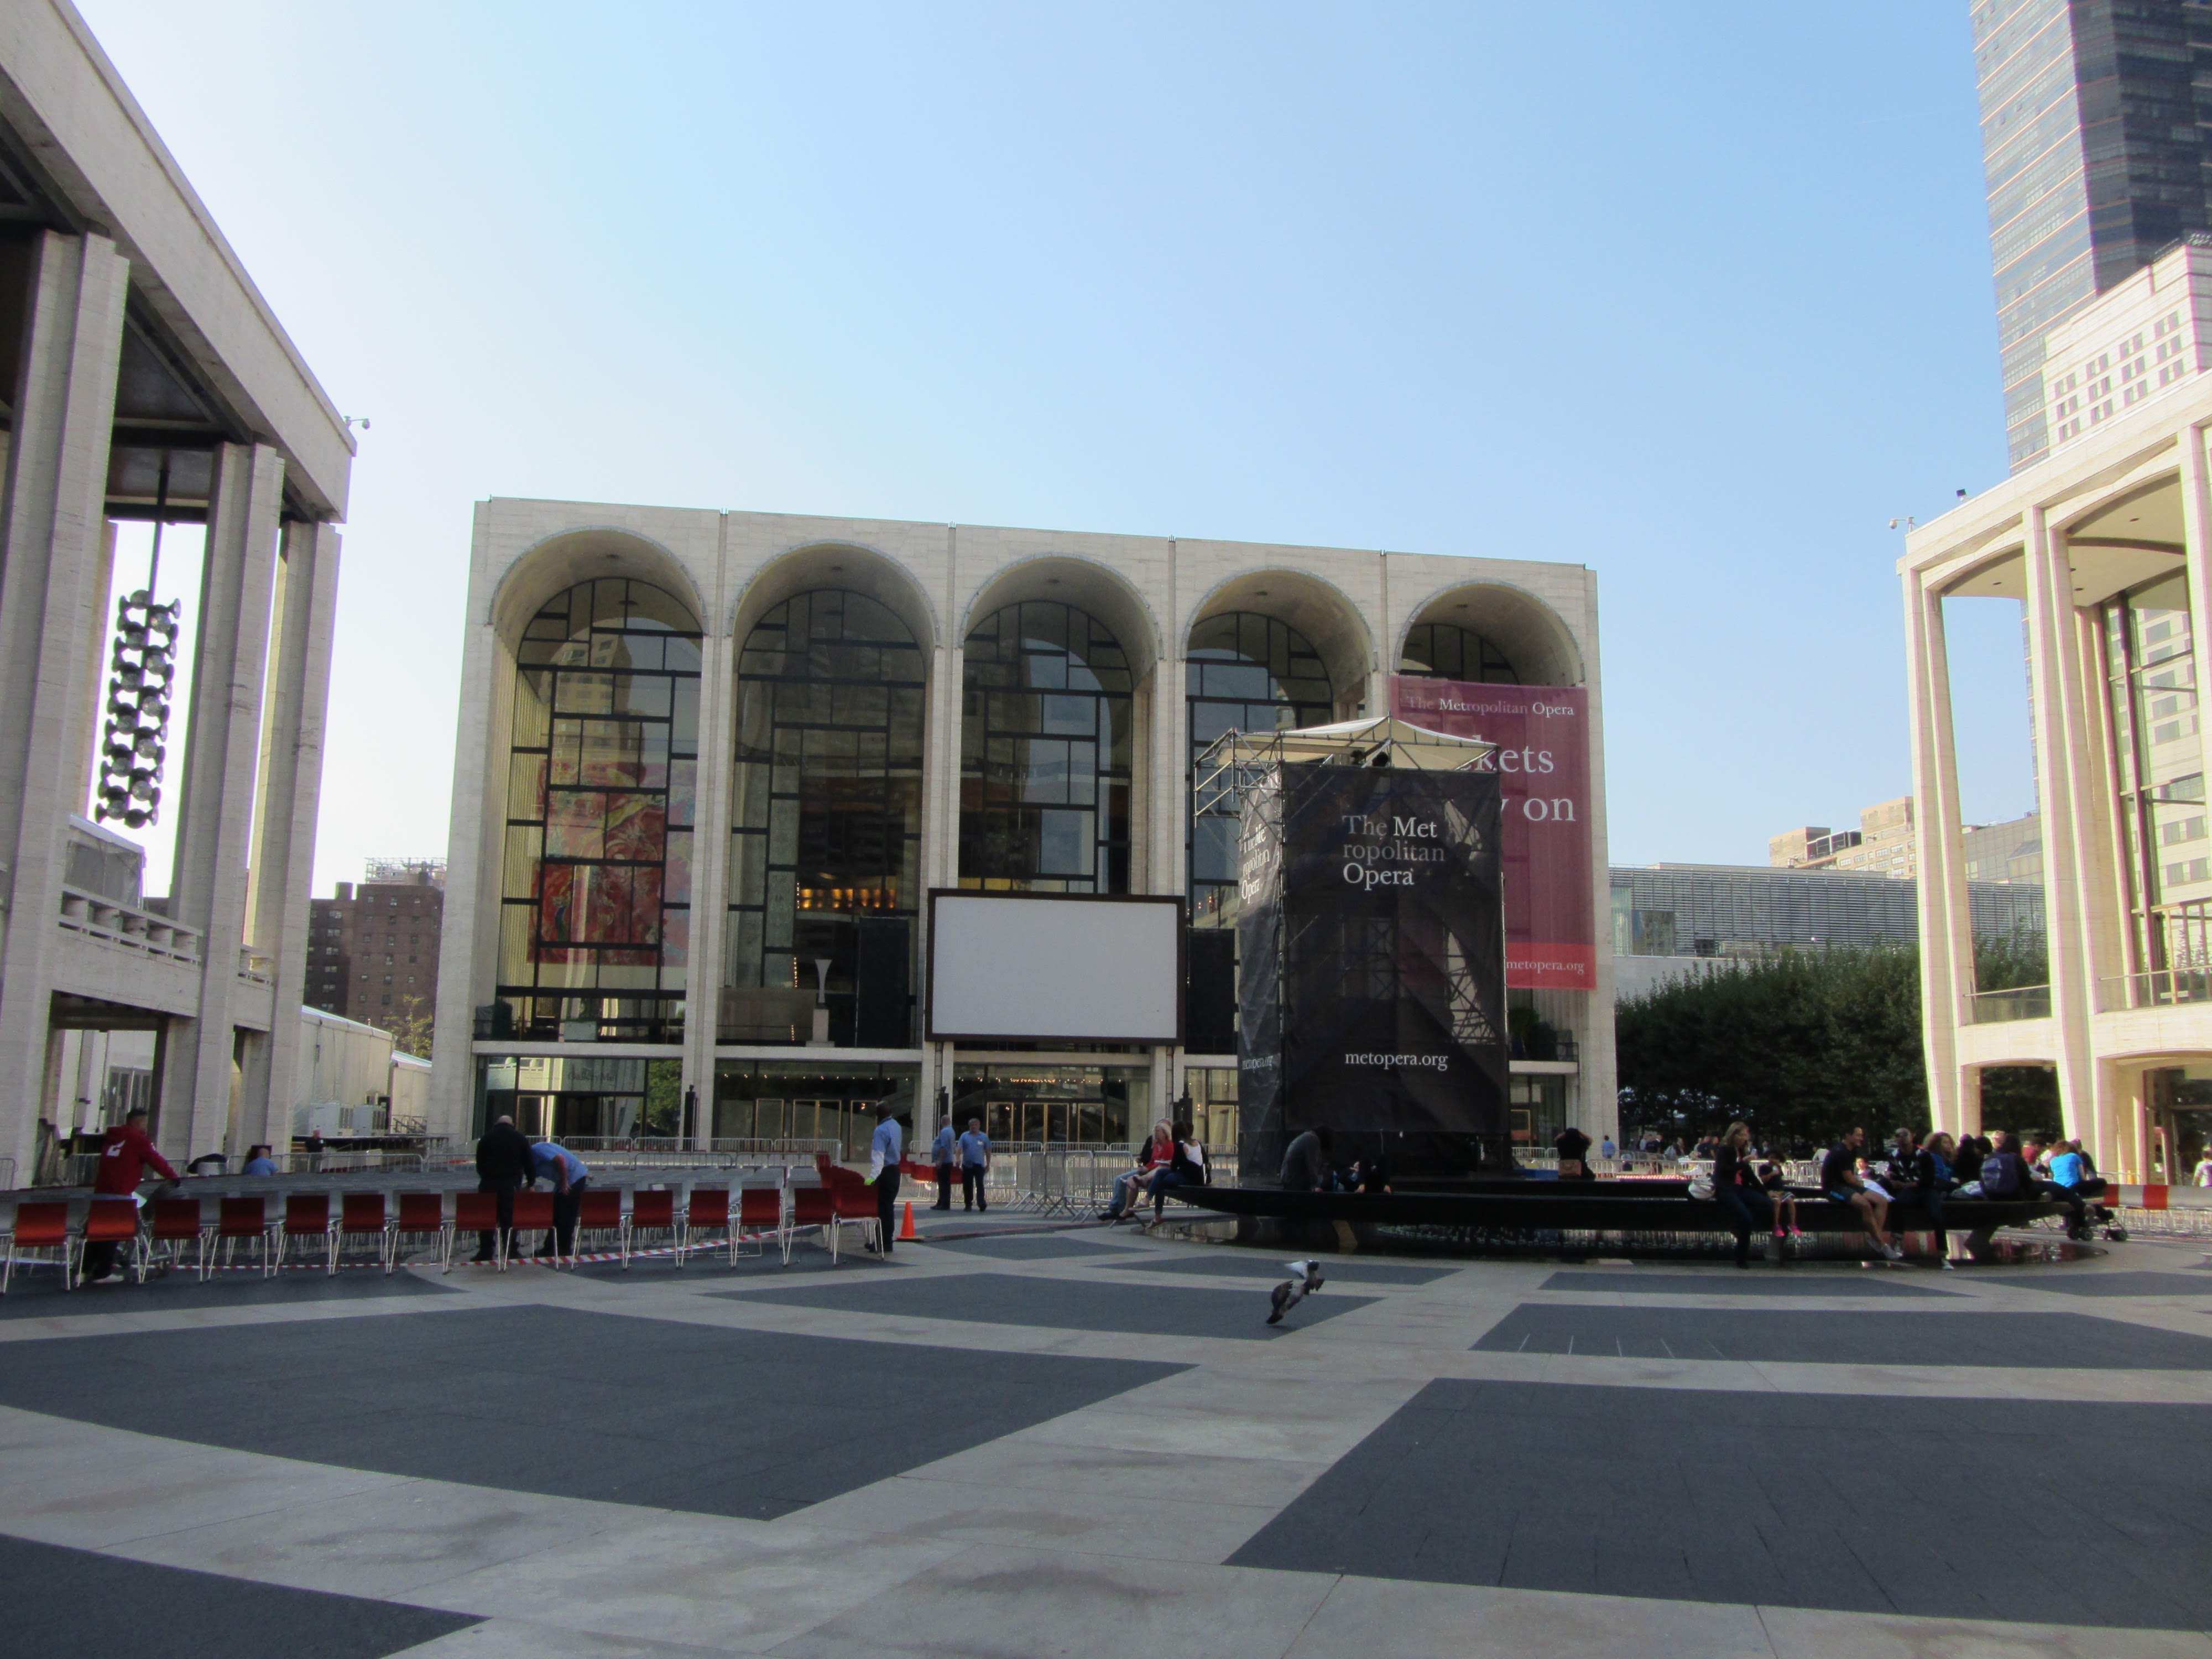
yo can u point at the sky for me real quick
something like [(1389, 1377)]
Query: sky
[(1697, 295)]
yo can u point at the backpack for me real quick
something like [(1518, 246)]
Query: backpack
[(2001, 1174)]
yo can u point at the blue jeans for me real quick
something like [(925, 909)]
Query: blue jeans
[(1157, 1187), (1122, 1183), (1747, 1208)]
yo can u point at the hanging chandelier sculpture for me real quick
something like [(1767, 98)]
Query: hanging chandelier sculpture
[(141, 679)]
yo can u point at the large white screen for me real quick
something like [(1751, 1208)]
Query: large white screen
[(1075, 971)]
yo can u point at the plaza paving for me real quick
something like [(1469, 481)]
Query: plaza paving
[(1088, 1442)]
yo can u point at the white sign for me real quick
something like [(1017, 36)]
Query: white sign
[(1047, 969)]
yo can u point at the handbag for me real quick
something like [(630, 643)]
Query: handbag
[(1701, 1186)]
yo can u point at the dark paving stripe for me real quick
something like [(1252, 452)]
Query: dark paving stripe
[(1923, 1507), (1840, 1338), (1049, 1248), (43, 1294), (989, 1298), (2067, 1281), (77, 1602), (570, 1404), (1727, 1281), (1227, 1261)]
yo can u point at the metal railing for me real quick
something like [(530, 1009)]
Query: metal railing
[(2161, 987), (2019, 1002), (669, 1151)]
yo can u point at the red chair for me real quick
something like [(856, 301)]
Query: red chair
[(815, 1206), (177, 1222), (475, 1213), (108, 1221), (38, 1224), (363, 1215), (422, 1215), (533, 1213), (247, 1217), (707, 1210), (853, 1203), (652, 1210), (600, 1211), (760, 1212), (308, 1215)]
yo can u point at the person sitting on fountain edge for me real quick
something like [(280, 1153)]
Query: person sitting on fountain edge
[(1305, 1162)]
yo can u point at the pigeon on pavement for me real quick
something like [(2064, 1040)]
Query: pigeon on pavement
[(1291, 1291)]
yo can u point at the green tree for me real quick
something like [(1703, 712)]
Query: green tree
[(1803, 1044), (414, 1028)]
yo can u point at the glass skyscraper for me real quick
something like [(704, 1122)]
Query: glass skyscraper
[(2095, 115)]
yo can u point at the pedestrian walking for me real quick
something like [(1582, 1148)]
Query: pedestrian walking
[(884, 1152), (504, 1167), (974, 1165), (941, 1155)]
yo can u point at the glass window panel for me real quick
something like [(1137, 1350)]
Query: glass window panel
[(533, 715), (520, 866), (525, 787), (612, 639)]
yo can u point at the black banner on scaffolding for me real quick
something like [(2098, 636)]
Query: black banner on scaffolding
[(1371, 945)]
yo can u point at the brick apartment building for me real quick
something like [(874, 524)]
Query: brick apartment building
[(373, 951)]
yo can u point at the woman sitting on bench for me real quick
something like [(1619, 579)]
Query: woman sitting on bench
[(1736, 1185)]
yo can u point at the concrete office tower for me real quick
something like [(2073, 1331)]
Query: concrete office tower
[(145, 374), (2147, 334), (711, 764), (2094, 144), (2108, 545)]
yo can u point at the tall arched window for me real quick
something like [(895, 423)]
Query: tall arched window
[(1445, 650), (825, 822), (595, 923), (1248, 673), (1044, 753)]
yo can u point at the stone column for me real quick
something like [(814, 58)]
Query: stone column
[(221, 745), (2055, 686), (1946, 944), (468, 946), (52, 526), (286, 798), (2196, 562), (85, 735), (710, 863)]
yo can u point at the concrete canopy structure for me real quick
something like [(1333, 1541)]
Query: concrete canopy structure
[(2108, 545), (146, 378), (710, 763)]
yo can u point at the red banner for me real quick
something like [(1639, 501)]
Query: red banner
[(1543, 758)]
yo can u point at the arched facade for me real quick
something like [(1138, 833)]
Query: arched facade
[(825, 819), (1492, 633), (865, 711), (1046, 751), (1244, 672)]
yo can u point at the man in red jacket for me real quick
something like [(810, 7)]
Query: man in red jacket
[(124, 1156)]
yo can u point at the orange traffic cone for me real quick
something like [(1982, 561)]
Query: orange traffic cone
[(905, 1227)]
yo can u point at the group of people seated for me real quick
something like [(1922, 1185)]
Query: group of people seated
[(1934, 1170), (1172, 1157)]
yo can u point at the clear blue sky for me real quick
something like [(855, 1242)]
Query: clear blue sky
[(1697, 294)]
